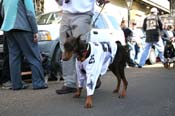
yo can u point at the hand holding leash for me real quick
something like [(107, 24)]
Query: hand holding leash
[(102, 2)]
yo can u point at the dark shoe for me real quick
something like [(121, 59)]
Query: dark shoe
[(24, 86), (66, 90), (134, 65), (43, 87), (139, 66), (98, 83)]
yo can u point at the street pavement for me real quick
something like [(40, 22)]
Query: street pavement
[(151, 92)]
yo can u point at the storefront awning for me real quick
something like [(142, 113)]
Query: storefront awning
[(161, 4)]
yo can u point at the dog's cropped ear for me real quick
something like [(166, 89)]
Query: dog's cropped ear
[(79, 38), (67, 35), (76, 42)]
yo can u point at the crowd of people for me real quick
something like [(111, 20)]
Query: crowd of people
[(20, 38), (138, 48)]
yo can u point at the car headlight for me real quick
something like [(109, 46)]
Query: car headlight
[(44, 35)]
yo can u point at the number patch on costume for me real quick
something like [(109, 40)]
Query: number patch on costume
[(92, 59), (106, 47), (151, 24)]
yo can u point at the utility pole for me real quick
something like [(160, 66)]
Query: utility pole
[(39, 6), (172, 10), (172, 7), (129, 5)]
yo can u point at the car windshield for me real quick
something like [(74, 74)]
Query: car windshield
[(49, 18), (99, 22), (114, 22), (43, 19)]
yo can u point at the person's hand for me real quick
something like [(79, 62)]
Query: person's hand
[(35, 38), (59, 2), (102, 2), (106, 1)]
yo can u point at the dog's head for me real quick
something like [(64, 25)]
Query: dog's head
[(74, 46), (169, 44)]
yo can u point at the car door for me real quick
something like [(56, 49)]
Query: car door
[(99, 28)]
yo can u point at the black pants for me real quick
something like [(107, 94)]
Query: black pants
[(129, 61), (6, 70)]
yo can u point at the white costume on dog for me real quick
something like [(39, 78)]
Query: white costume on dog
[(88, 71)]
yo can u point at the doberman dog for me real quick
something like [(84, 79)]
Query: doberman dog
[(89, 66)]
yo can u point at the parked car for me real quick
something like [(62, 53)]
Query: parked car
[(48, 37), (104, 27), (25, 66), (1, 49)]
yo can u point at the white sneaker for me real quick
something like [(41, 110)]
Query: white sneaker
[(7, 85)]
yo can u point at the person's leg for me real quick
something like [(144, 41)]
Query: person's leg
[(132, 52), (6, 70), (68, 67), (74, 25), (160, 47), (31, 52), (130, 62), (81, 25), (139, 50), (14, 60), (145, 54)]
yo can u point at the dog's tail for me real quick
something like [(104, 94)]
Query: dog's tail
[(118, 43), (122, 51)]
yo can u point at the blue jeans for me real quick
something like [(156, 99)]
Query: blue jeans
[(148, 45), (21, 43)]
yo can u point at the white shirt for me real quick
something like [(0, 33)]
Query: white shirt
[(95, 65), (170, 33), (137, 35), (79, 6)]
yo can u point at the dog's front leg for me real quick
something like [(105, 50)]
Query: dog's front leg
[(78, 93), (88, 103)]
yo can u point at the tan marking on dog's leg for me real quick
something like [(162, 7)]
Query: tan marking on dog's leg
[(125, 84), (78, 93), (118, 86)]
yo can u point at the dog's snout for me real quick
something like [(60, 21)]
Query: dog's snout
[(66, 56)]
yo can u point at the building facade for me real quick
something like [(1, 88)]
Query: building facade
[(140, 8), (118, 8)]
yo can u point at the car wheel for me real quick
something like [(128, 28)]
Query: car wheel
[(56, 65), (152, 57)]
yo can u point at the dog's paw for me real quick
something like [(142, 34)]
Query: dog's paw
[(88, 103), (115, 91), (120, 96), (123, 94), (77, 95)]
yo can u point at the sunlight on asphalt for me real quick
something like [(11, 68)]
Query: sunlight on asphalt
[(154, 65)]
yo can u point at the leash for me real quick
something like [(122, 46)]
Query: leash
[(103, 5)]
